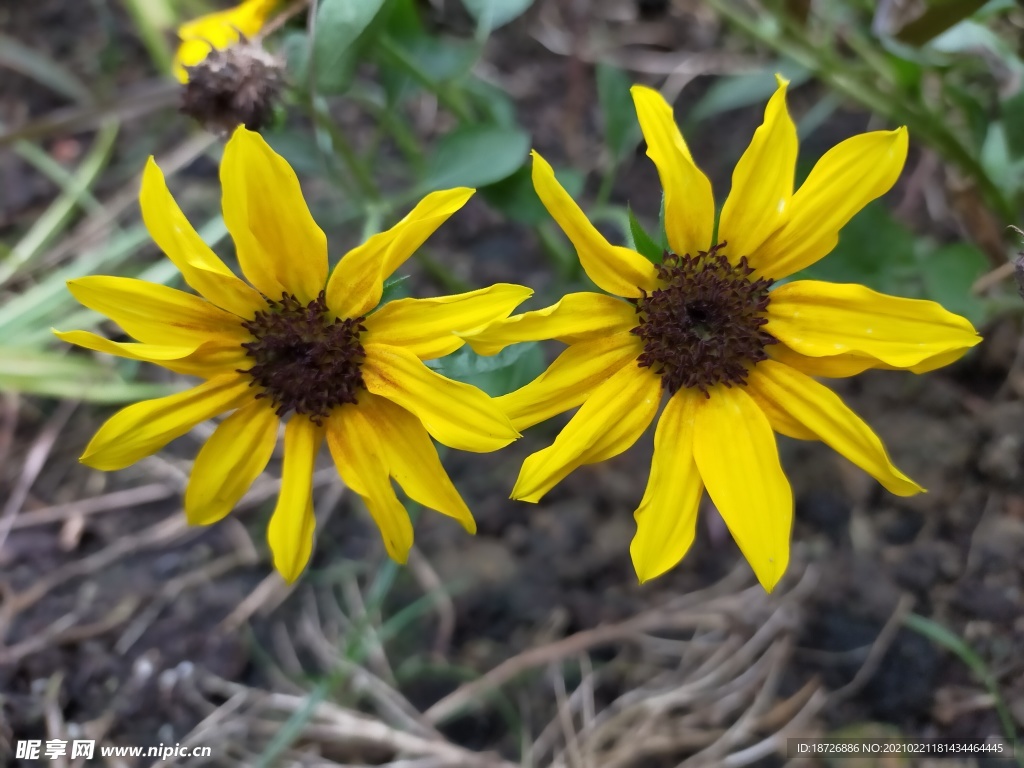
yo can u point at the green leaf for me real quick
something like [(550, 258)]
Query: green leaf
[(875, 250), (493, 102), (496, 375), (997, 161), (395, 287), (1013, 119), (730, 93), (936, 19), (339, 24), (516, 198), (621, 127), (642, 242), (949, 272), (475, 157), (76, 377), (295, 48), (491, 14)]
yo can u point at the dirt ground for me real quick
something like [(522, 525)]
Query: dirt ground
[(120, 623)]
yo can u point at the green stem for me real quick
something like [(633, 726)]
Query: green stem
[(443, 275), (450, 99), (923, 123), (151, 18), (343, 148)]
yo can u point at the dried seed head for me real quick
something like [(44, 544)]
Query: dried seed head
[(303, 359), (703, 325), (239, 85)]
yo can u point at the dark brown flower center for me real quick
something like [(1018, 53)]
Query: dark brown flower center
[(302, 359), (703, 326)]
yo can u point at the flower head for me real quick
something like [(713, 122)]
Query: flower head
[(708, 328), (218, 31), (295, 344)]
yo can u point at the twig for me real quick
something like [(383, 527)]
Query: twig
[(108, 502), (569, 646), (33, 465), (877, 652), (431, 583)]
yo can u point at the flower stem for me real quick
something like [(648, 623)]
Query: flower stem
[(920, 121)]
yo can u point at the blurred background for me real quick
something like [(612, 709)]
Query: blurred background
[(530, 644)]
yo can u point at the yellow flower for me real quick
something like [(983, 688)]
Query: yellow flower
[(294, 342), (734, 357), (217, 31)]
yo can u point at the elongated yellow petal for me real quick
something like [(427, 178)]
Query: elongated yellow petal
[(231, 459), (290, 532), (762, 183), (738, 460), (362, 462), (205, 360), (825, 319), (613, 268), (156, 314), (199, 265), (576, 317), (689, 202), (844, 180), (780, 419), (412, 459), (455, 414), (609, 422), (218, 31), (852, 363), (357, 283), (571, 379), (144, 428), (666, 521), (427, 327), (822, 412), (280, 248)]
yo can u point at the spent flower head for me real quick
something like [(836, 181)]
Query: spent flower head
[(295, 344), (710, 329)]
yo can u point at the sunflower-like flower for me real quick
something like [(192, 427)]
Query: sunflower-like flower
[(295, 344), (218, 31), (708, 327)]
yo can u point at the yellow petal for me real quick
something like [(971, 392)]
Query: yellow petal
[(427, 327), (689, 203), (290, 532), (844, 180), (362, 463), (822, 412), (571, 379), (201, 267), (156, 314), (825, 319), (608, 423), (357, 283), (852, 363), (280, 248), (412, 459), (780, 419), (666, 520), (231, 459), (204, 360), (738, 460), (218, 31), (455, 414), (144, 428), (613, 268), (576, 317), (762, 182)]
